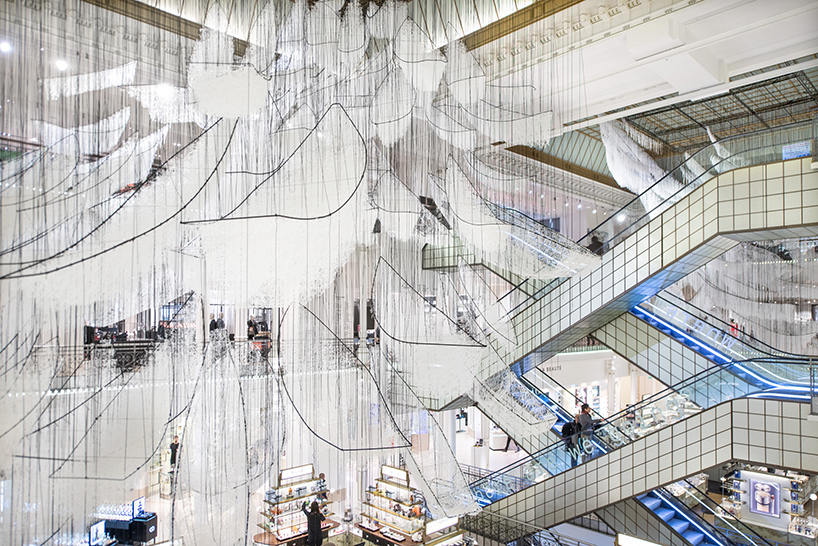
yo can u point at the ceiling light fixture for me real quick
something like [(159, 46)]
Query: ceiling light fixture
[(61, 65), (5, 47)]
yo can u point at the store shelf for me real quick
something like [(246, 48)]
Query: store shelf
[(290, 499), (379, 494), (393, 526), (393, 484), (387, 510), (294, 484)]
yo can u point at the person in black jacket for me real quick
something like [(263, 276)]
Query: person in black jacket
[(314, 519)]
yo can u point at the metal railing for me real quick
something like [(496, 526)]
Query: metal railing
[(755, 149), (709, 388)]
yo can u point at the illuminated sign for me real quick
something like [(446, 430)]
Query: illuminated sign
[(793, 151), (96, 535), (395, 473), (138, 506), (440, 524), (765, 498), (297, 472)]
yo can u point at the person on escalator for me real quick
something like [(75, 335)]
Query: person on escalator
[(596, 245), (586, 428), (570, 432)]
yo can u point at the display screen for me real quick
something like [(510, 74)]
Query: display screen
[(96, 536), (765, 498), (138, 506)]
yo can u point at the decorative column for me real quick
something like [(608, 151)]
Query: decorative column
[(610, 370)]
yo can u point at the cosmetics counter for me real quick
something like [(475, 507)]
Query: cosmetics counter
[(393, 514), (773, 499), (123, 523), (286, 522)]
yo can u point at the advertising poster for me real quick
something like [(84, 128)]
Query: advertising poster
[(765, 498)]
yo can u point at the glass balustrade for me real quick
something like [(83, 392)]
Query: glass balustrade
[(706, 334), (687, 398), (745, 150)]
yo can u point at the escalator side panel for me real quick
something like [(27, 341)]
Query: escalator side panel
[(713, 437), (632, 518)]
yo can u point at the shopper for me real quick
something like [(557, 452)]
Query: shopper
[(586, 427), (596, 245), (220, 322), (174, 452), (314, 519), (213, 323), (251, 329), (570, 432)]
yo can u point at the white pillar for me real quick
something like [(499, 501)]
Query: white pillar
[(449, 425), (610, 368), (485, 434), (634, 371)]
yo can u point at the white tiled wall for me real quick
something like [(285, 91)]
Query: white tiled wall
[(657, 354), (765, 432), (765, 202)]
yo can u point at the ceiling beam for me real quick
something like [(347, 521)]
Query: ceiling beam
[(160, 19), (548, 159), (522, 18)]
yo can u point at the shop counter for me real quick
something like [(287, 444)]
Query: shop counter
[(376, 537), (270, 539)]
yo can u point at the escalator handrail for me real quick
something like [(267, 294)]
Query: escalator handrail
[(771, 351), (689, 186), (557, 383), (562, 414), (611, 420), (718, 513)]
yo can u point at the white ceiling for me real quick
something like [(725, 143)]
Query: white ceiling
[(589, 60), (444, 21)]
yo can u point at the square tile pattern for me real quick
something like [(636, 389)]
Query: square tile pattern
[(778, 200), (651, 350), (764, 432)]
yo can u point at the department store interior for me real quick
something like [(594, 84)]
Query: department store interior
[(399, 272)]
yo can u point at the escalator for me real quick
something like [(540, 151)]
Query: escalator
[(714, 390), (778, 374), (673, 513), (647, 251)]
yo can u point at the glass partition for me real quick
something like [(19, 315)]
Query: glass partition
[(746, 150)]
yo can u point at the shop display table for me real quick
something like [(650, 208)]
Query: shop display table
[(139, 529), (270, 539), (376, 537)]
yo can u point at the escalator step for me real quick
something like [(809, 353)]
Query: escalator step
[(693, 537), (651, 502), (665, 513), (679, 525)]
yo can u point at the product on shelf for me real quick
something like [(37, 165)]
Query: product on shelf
[(398, 509), (807, 527), (296, 486)]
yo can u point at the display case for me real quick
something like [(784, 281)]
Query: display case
[(392, 509), (394, 514), (806, 527), (286, 522)]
